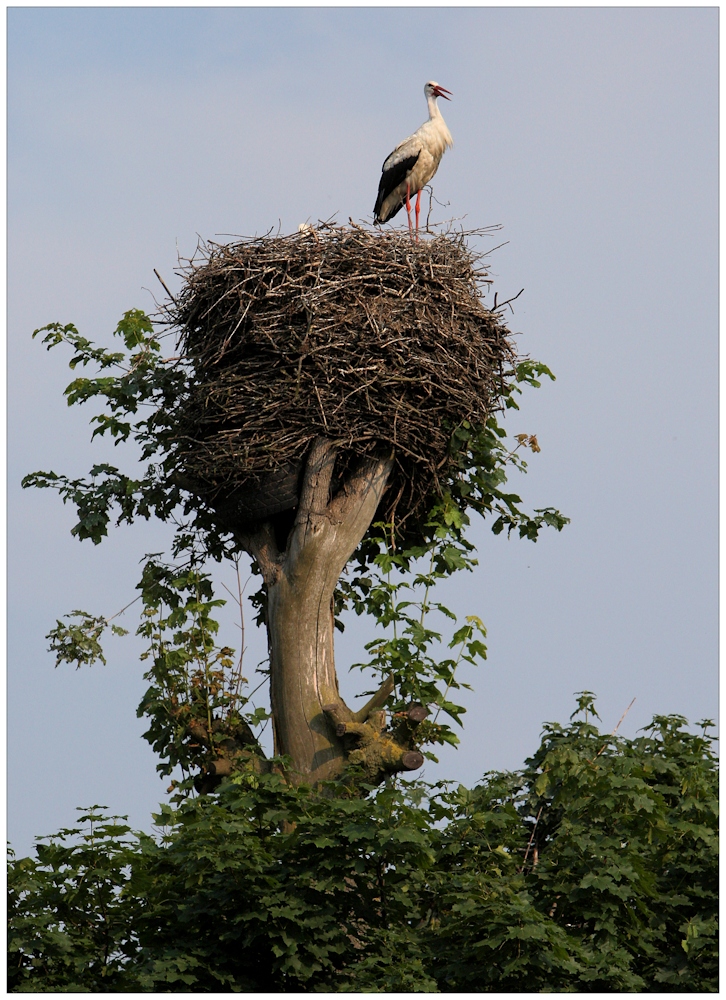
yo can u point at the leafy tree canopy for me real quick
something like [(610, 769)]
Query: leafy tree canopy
[(594, 869)]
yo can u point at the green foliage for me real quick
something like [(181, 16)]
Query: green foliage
[(394, 589), (195, 701), (138, 391), (78, 641), (71, 921), (619, 863), (198, 698), (592, 870)]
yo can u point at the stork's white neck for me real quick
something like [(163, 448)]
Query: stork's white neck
[(433, 107)]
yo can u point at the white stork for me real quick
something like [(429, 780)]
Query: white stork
[(413, 162)]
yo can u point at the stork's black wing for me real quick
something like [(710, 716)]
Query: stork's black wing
[(390, 179)]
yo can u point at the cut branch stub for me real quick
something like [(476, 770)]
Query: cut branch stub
[(375, 751), (417, 713), (412, 760), (220, 768), (233, 762), (231, 747)]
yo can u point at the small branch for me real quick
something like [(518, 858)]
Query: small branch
[(604, 746), (377, 701), (622, 717), (108, 620), (322, 408), (442, 204), (507, 302), (534, 830), (238, 597), (163, 285)]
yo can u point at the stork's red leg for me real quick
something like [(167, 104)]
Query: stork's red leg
[(408, 205), (418, 210)]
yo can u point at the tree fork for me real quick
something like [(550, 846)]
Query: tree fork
[(301, 581)]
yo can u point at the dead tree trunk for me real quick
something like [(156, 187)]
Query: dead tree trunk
[(312, 724)]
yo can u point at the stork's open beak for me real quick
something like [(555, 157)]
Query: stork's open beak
[(442, 92)]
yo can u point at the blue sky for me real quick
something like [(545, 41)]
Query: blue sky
[(589, 134)]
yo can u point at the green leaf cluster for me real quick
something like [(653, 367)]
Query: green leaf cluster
[(394, 589), (138, 390), (592, 870), (72, 918), (195, 698), (77, 640)]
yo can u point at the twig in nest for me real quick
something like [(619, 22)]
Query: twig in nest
[(163, 285), (442, 204), (507, 302)]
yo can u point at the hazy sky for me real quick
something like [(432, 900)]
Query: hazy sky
[(589, 134)]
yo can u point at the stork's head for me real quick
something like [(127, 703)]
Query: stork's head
[(433, 89)]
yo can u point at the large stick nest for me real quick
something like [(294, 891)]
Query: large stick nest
[(366, 337)]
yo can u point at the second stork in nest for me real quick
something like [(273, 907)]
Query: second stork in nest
[(414, 162)]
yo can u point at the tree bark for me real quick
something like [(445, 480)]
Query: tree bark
[(307, 709)]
